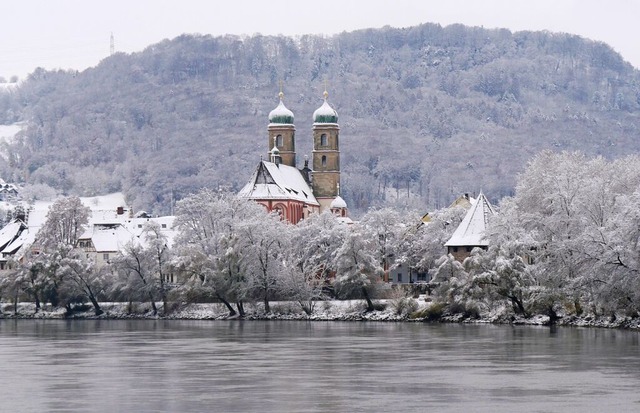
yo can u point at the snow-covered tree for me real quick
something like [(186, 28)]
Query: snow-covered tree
[(83, 280), (384, 229), (358, 268), (210, 246), (263, 244), (427, 244), (65, 223), (450, 278), (57, 237), (135, 276), (156, 246), (574, 220), (308, 261)]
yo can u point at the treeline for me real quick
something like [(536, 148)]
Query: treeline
[(426, 112), (230, 251), (566, 244)]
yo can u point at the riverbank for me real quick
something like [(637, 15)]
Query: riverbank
[(347, 310)]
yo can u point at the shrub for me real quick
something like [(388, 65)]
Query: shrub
[(404, 306), (433, 312), (467, 310)]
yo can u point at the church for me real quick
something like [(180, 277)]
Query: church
[(295, 193)]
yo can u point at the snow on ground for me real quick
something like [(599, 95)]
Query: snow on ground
[(8, 132), (333, 310)]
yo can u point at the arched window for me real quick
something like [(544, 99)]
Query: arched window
[(324, 160), (279, 141), (281, 211), (323, 139)]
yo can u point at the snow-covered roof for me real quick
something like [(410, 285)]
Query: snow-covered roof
[(113, 237), (471, 230), (345, 220), (10, 232), (103, 209), (271, 181), (26, 238), (109, 239)]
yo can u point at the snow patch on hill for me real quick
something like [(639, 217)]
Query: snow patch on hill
[(9, 132)]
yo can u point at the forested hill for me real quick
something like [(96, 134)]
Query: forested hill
[(431, 111)]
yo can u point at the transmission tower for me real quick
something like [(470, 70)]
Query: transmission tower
[(112, 49)]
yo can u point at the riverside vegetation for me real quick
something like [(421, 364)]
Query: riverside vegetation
[(563, 249)]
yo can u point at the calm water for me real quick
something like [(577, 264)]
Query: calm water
[(214, 366)]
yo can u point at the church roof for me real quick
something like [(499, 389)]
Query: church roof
[(471, 230), (271, 181)]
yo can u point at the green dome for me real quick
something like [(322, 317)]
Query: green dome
[(281, 114), (325, 113)]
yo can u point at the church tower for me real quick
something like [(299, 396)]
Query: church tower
[(282, 133), (326, 155)]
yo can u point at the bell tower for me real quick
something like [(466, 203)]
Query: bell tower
[(326, 154), (282, 133)]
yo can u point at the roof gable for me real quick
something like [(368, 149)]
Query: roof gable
[(471, 230)]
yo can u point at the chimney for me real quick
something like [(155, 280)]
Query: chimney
[(120, 210)]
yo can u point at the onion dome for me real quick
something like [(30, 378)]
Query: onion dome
[(337, 203), (281, 114), (275, 155), (325, 113)]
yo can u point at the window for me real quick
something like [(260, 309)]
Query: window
[(105, 256), (324, 160), (399, 277), (455, 249), (279, 141), (469, 249), (164, 225), (323, 139)]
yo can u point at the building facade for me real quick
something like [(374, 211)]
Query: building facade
[(294, 193)]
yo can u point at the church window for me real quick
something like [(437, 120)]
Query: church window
[(323, 139), (324, 160), (280, 210), (279, 141)]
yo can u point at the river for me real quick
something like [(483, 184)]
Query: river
[(291, 366)]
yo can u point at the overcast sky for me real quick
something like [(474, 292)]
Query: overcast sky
[(75, 34)]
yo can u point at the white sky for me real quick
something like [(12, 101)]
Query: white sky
[(75, 34)]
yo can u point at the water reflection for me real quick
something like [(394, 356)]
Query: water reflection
[(235, 366)]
